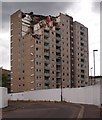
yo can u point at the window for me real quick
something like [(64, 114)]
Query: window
[(82, 60), (37, 63), (81, 33), (81, 28), (63, 79), (36, 41), (82, 54), (81, 38), (82, 71), (19, 78), (82, 44), (82, 49), (52, 72), (37, 49), (81, 65), (82, 76)]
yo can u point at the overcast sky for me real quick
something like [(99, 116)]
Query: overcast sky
[(85, 12)]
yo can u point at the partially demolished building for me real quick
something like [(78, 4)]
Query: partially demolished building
[(47, 51)]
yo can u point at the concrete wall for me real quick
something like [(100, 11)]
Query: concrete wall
[(85, 95), (3, 97)]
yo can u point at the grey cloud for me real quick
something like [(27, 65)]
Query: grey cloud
[(45, 8), (96, 7)]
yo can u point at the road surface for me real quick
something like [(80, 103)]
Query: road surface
[(49, 110)]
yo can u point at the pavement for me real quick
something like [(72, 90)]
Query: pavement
[(21, 109), (92, 111)]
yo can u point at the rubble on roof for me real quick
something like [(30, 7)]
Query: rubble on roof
[(32, 23)]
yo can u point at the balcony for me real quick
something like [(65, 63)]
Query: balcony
[(58, 50), (58, 35), (58, 44), (47, 61), (46, 54), (47, 47), (46, 67), (47, 81), (47, 74), (58, 32), (58, 81), (58, 76), (58, 63), (46, 41), (58, 57), (58, 39), (46, 35)]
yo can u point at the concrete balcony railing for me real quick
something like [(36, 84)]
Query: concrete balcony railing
[(58, 38), (47, 61), (47, 47), (58, 50), (58, 31), (47, 54), (46, 67), (47, 74)]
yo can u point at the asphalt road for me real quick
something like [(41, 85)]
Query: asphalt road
[(50, 110), (42, 110)]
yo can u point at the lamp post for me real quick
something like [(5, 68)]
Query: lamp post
[(91, 74), (94, 62)]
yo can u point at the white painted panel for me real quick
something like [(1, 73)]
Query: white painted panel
[(3, 97), (85, 95)]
